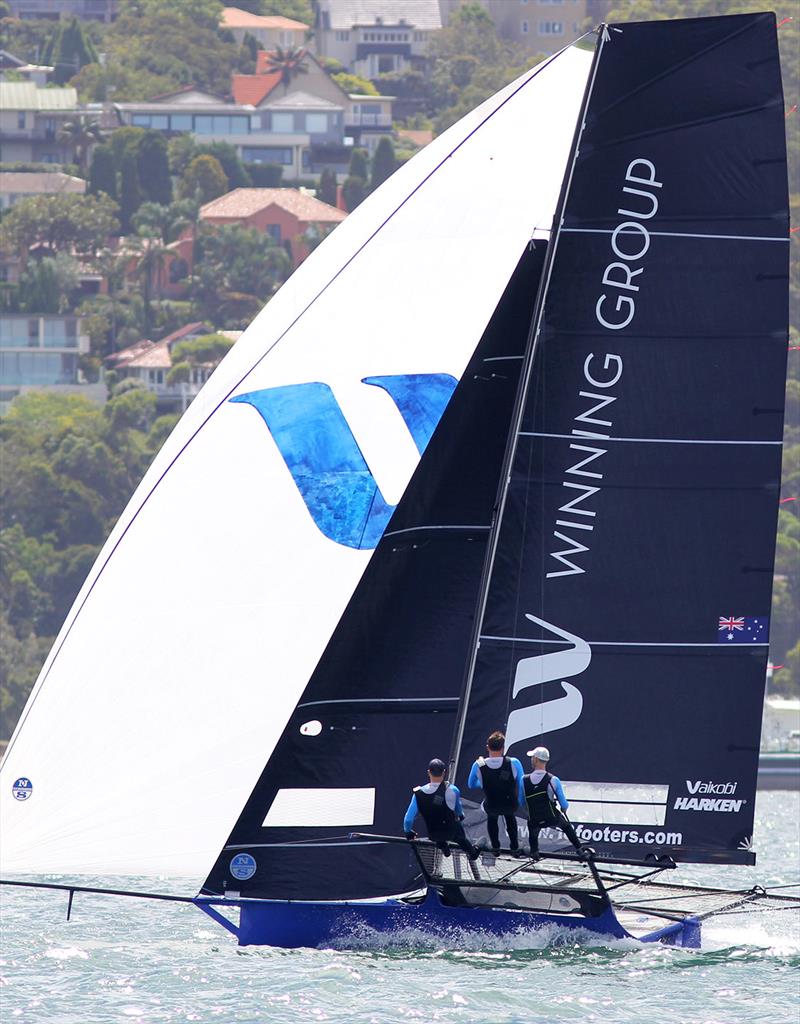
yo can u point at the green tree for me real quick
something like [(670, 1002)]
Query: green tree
[(181, 150), (204, 180), (327, 187), (69, 50), (384, 162), (354, 192), (359, 164), (229, 161), (164, 222), (102, 173), (47, 284), (153, 168), (297, 10), (155, 47), (150, 254), (131, 196), (62, 221), (237, 269), (354, 84)]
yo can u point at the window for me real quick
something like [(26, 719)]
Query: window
[(141, 120), (524, 27), (38, 368), (267, 155), (14, 333), (204, 125), (419, 37), (159, 122), (342, 37), (551, 28), (274, 232), (60, 334), (283, 122), (180, 122), (316, 124), (156, 376), (21, 119), (385, 64)]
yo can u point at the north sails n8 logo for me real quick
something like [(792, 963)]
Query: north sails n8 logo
[(324, 458)]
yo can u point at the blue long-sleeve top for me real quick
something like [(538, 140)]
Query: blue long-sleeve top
[(555, 788), (476, 782), (452, 798)]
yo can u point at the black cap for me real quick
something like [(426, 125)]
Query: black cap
[(437, 766)]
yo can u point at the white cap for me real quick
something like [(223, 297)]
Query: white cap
[(540, 753)]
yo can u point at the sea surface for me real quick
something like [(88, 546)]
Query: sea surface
[(130, 960)]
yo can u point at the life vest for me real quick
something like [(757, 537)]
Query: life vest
[(439, 819), (500, 787), (541, 809)]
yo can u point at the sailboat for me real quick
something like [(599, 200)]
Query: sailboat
[(503, 453)]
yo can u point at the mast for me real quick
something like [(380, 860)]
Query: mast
[(519, 406)]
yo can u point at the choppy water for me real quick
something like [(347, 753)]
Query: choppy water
[(135, 961)]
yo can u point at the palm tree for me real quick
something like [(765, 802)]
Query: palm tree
[(81, 134), (165, 221), (112, 265), (289, 62), (150, 254)]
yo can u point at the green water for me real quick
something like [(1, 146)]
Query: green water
[(136, 961)]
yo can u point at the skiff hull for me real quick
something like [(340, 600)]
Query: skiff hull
[(292, 925)]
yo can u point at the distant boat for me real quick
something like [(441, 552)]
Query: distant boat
[(504, 452)]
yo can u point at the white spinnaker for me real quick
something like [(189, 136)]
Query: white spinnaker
[(210, 605)]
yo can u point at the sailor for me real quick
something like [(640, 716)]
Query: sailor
[(501, 779), (439, 803), (544, 795)]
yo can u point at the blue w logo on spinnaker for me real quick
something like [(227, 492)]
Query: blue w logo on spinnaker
[(324, 459)]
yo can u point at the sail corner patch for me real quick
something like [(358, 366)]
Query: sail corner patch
[(315, 808)]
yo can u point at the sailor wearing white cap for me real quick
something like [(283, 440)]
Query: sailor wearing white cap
[(546, 801)]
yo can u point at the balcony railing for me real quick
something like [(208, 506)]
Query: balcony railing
[(368, 121)]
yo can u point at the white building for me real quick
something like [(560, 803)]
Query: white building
[(40, 352), (373, 37)]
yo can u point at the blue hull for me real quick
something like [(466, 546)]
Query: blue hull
[(291, 925)]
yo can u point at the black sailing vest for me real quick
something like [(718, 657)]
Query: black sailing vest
[(541, 809), (439, 819), (500, 787)]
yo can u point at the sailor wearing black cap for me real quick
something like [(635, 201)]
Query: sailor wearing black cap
[(439, 803)]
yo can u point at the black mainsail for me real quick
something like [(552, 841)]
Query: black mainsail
[(626, 618), (620, 554)]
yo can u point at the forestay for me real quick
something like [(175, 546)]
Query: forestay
[(209, 607), (626, 624)]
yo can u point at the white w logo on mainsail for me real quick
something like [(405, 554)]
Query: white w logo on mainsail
[(540, 719)]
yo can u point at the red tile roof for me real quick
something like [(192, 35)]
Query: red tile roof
[(244, 202), (253, 89)]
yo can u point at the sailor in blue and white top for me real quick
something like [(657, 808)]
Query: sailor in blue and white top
[(501, 779), (546, 802), (439, 803)]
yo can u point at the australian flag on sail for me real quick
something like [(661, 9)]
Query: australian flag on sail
[(743, 630)]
